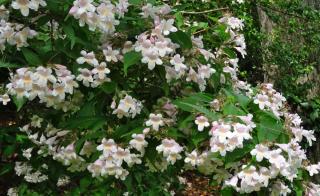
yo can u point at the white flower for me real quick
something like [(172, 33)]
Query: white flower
[(87, 149), (166, 26), (313, 169), (5, 99), (101, 70), (59, 91), (262, 100), (170, 149), (23, 6), (242, 131), (276, 158), (202, 122), (27, 153), (96, 167), (107, 146), (110, 54), (151, 57), (63, 181), (155, 120), (177, 61), (85, 76), (106, 10), (138, 142), (13, 191), (205, 71), (89, 58), (81, 6), (261, 151), (194, 158), (36, 121)]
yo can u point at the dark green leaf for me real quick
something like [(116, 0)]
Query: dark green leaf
[(130, 58), (231, 109), (181, 38), (8, 65), (19, 102), (189, 107), (70, 34), (31, 57), (239, 153), (108, 87)]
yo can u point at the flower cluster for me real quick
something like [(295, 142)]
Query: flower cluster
[(26, 170), (195, 159), (68, 156), (156, 49), (227, 136), (270, 99), (13, 33), (128, 107), (170, 149), (102, 16), (25, 5), (42, 83), (112, 160), (97, 75)]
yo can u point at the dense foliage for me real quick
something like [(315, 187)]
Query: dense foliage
[(124, 97)]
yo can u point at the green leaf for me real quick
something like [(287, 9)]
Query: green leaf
[(135, 2), (108, 87), (31, 57), (90, 122), (239, 153), (70, 34), (189, 107), (181, 38), (130, 58), (84, 184), (19, 102), (231, 109), (6, 168), (8, 65), (228, 191), (269, 127)]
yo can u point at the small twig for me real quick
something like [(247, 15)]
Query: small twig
[(204, 12), (200, 31)]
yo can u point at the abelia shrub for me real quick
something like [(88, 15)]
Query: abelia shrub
[(116, 97)]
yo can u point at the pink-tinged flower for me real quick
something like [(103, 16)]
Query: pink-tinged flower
[(151, 57), (23, 6), (138, 142), (177, 62), (166, 26), (276, 158), (101, 70), (202, 122), (156, 121), (85, 76), (261, 151), (107, 146), (262, 100), (194, 158), (110, 54), (171, 150), (96, 167), (89, 58), (82, 6)]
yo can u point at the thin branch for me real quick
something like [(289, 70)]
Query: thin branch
[(204, 12), (283, 12), (200, 31)]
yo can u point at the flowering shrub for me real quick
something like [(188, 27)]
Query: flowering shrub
[(123, 98)]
